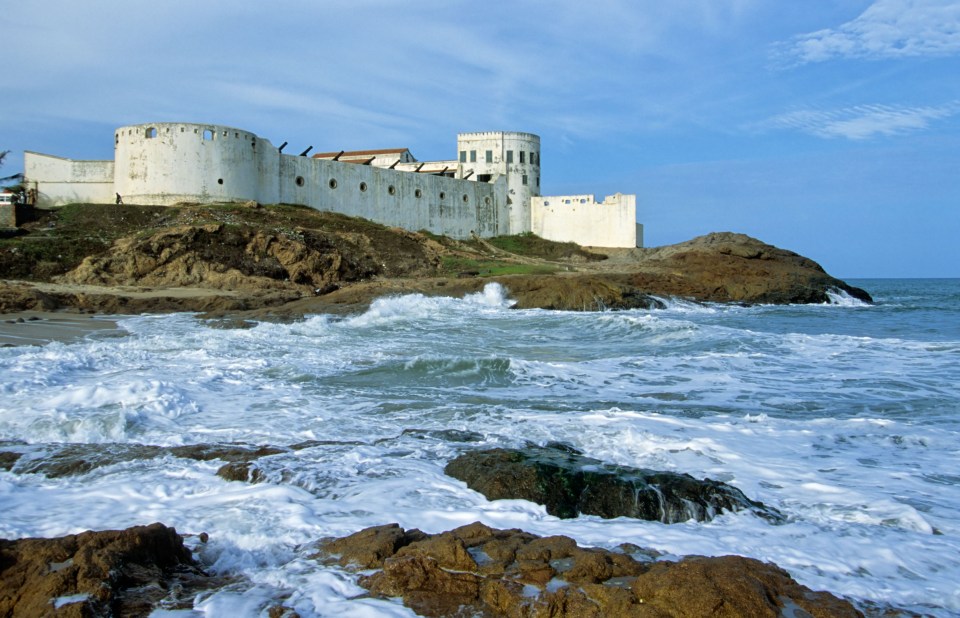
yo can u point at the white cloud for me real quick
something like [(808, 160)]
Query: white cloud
[(862, 121), (887, 29)]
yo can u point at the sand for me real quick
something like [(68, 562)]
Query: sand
[(40, 328)]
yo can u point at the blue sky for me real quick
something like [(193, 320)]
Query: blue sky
[(831, 128)]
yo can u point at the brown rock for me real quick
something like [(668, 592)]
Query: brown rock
[(477, 570), (111, 573)]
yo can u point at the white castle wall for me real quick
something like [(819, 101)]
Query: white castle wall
[(65, 181), (580, 219), (412, 201), (166, 163)]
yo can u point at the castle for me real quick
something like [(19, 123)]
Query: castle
[(492, 188)]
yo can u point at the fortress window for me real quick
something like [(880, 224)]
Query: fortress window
[(522, 153), (299, 181), (392, 190), (473, 156), (151, 133), (224, 133), (333, 183), (418, 193), (538, 180), (219, 181), (363, 186), (442, 195), (524, 179), (509, 156), (207, 134), (489, 156), (236, 135), (463, 156), (486, 200), (466, 199)]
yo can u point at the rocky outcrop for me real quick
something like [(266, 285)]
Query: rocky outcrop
[(477, 570), (111, 573), (569, 484)]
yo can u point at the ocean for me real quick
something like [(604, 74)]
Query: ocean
[(845, 417)]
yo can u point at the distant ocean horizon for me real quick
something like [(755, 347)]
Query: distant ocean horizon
[(843, 416)]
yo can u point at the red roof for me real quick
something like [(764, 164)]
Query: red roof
[(360, 153)]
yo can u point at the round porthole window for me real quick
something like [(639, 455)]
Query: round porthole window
[(333, 183), (219, 181), (486, 201), (465, 198), (392, 190), (299, 181), (418, 193), (442, 195), (363, 186)]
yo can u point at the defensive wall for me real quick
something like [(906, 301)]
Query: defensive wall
[(492, 189), (581, 219)]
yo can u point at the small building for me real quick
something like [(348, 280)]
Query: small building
[(491, 188)]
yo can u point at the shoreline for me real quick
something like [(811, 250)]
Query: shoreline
[(26, 328)]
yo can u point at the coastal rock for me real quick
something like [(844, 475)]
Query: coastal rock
[(569, 484), (110, 573), (477, 570)]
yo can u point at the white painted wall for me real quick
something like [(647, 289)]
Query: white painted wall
[(580, 219), (65, 181), (166, 163)]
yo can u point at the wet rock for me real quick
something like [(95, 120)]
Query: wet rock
[(568, 484), (477, 570), (61, 460), (110, 573), (241, 471)]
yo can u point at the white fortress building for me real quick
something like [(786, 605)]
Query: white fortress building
[(492, 188)]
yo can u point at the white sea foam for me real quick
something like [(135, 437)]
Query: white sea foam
[(849, 429)]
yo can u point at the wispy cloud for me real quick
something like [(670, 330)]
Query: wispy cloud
[(861, 121), (887, 29)]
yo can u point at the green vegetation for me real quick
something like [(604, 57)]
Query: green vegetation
[(531, 245), (459, 265)]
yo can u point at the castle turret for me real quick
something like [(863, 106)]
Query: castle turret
[(484, 156), (163, 163)]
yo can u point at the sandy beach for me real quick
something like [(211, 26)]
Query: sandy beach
[(39, 328)]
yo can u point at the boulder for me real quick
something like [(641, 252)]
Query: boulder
[(569, 484), (109, 573), (482, 571)]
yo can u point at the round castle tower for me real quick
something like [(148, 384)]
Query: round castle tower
[(163, 163), (513, 154)]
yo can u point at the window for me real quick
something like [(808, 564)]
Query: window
[(392, 190), (207, 134), (465, 198), (151, 133), (473, 156), (489, 156), (363, 186), (486, 200), (484, 177), (442, 195), (522, 153), (463, 156), (524, 179), (418, 193), (509, 156), (299, 181), (219, 181), (538, 180), (333, 183)]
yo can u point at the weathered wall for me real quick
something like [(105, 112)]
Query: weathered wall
[(580, 219), (402, 199), (65, 181), (166, 163), (8, 216)]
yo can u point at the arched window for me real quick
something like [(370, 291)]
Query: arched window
[(207, 134), (151, 132)]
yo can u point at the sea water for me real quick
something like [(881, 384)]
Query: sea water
[(844, 416)]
